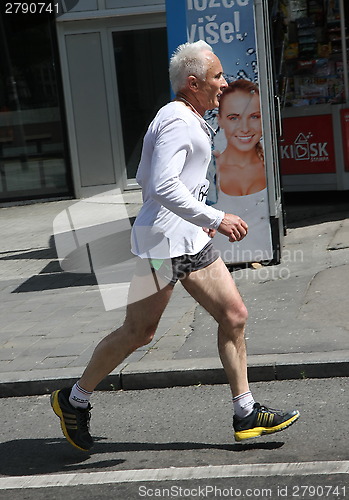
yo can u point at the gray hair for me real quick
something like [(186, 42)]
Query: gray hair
[(188, 59)]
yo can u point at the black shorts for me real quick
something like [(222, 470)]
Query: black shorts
[(177, 268)]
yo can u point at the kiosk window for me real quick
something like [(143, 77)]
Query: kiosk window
[(310, 48)]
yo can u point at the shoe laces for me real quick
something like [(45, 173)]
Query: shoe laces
[(83, 418), (263, 408)]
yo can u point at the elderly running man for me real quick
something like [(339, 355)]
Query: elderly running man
[(172, 237)]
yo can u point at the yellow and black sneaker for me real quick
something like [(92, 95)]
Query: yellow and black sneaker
[(75, 422), (261, 421)]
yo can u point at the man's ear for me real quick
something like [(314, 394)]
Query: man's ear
[(193, 83)]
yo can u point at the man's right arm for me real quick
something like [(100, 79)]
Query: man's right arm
[(233, 227)]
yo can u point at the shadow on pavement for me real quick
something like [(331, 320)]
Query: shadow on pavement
[(24, 457), (306, 209)]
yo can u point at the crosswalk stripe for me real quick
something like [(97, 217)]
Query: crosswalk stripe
[(175, 474)]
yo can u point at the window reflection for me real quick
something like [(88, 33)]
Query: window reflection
[(142, 73), (32, 159)]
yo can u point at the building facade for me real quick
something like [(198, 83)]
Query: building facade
[(81, 79), (78, 87)]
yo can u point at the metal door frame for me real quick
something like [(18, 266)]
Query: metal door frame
[(271, 121)]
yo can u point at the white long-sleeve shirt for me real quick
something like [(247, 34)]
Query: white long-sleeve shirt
[(172, 173)]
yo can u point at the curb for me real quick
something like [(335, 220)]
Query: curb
[(209, 371), (180, 373)]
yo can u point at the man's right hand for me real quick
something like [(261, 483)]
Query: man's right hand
[(233, 227)]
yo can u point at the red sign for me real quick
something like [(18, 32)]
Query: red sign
[(345, 133), (307, 145)]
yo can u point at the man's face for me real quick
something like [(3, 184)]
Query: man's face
[(210, 90)]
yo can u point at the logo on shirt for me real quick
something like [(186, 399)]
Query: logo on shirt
[(202, 191)]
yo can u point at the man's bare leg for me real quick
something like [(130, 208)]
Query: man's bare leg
[(146, 303), (142, 319), (213, 287)]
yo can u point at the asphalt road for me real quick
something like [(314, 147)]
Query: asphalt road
[(178, 443)]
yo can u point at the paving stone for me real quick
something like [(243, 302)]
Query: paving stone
[(50, 363)]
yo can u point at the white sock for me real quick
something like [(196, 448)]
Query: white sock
[(243, 404), (79, 397)]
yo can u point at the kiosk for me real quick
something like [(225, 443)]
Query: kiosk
[(311, 56)]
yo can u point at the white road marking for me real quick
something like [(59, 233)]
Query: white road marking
[(175, 474)]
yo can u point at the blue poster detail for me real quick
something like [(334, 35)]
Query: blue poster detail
[(228, 26), (176, 18)]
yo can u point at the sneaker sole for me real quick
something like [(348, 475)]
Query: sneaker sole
[(260, 431), (57, 409)]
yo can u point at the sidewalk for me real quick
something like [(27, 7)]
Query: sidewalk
[(52, 320)]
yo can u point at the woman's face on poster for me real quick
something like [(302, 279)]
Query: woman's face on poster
[(240, 117)]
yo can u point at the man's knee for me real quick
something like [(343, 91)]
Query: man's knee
[(235, 318), (145, 336), (141, 334)]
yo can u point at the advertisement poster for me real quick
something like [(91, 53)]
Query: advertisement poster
[(307, 145), (237, 171)]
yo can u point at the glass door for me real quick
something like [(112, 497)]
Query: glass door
[(32, 153), (141, 63)]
